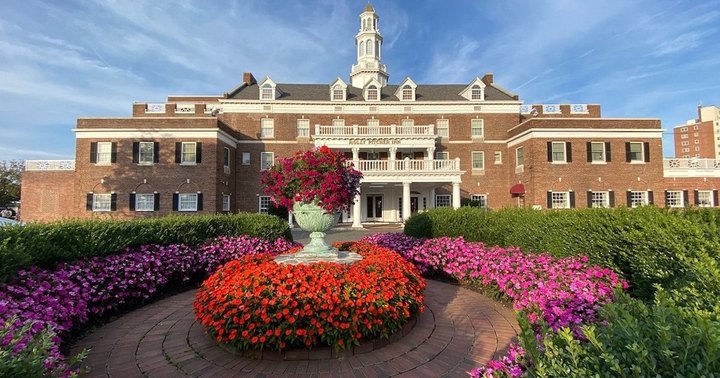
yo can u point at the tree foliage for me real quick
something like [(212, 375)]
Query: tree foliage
[(10, 172)]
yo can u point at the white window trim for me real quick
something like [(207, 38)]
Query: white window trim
[(496, 155), (97, 197), (272, 94), (261, 209), (271, 160), (100, 153), (642, 153), (644, 201), (442, 155), (226, 202), (182, 153), (604, 153), (680, 198), (229, 155), (187, 207), (304, 125), (472, 160), (518, 164), (151, 203), (711, 197), (445, 127), (482, 128), (566, 200), (152, 153), (480, 197), (606, 199), (243, 156), (267, 124), (449, 199), (333, 92), (564, 152)]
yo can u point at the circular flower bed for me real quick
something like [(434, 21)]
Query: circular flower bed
[(255, 303)]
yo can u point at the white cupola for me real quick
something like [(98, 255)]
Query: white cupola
[(369, 51)]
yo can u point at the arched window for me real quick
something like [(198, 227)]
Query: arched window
[(372, 93), (368, 47), (476, 93), (362, 48), (377, 48), (407, 92), (266, 92), (338, 93)]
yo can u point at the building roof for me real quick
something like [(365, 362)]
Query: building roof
[(369, 8), (321, 92)]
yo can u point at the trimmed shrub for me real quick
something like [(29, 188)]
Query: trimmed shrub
[(46, 244)]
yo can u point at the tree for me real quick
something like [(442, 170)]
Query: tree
[(10, 172)]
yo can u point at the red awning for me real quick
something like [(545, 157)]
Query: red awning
[(517, 189)]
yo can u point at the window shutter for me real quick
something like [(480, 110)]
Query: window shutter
[(549, 148), (629, 199), (646, 150), (607, 152), (113, 202), (178, 152), (198, 152), (589, 199), (136, 152), (568, 152), (93, 153), (715, 198), (131, 202), (549, 200), (611, 198), (666, 198), (572, 200), (176, 199), (589, 151), (686, 200), (696, 200), (156, 202), (113, 152), (199, 202), (627, 152), (89, 203), (156, 152), (650, 197)]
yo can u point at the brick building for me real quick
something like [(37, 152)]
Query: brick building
[(699, 138), (419, 146)]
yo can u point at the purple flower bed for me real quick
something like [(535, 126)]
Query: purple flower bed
[(563, 292), (74, 293)]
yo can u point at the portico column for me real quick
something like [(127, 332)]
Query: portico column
[(392, 153), (290, 219), (406, 201), (357, 211), (356, 157), (456, 195)]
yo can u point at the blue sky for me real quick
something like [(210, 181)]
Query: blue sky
[(60, 60)]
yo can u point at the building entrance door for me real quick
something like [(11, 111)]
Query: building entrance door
[(413, 205), (374, 207)]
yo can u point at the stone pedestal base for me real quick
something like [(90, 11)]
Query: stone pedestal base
[(340, 257)]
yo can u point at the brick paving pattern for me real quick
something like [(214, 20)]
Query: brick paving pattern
[(459, 330)]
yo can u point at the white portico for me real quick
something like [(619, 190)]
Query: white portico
[(400, 172)]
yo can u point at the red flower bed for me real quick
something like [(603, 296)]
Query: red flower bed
[(255, 303)]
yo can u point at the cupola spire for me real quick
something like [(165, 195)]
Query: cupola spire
[(369, 51)]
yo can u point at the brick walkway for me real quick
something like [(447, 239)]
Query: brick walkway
[(459, 330)]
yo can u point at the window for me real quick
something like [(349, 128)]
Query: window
[(266, 160), (635, 152), (101, 202), (498, 157), (558, 152), (478, 160), (697, 149), (705, 198), (476, 93), (267, 128), (375, 156), (683, 136), (372, 93), (443, 128), (638, 198), (338, 126), (226, 157), (597, 152), (442, 155), (599, 199), (407, 93), (684, 143), (685, 150), (560, 200), (303, 128), (696, 127), (144, 202), (407, 122), (477, 128), (245, 158), (481, 200), (338, 94), (104, 153), (683, 129), (188, 153), (266, 92), (697, 141), (442, 200), (188, 202), (673, 198), (226, 202), (263, 204), (696, 134), (146, 153), (373, 126), (519, 157)]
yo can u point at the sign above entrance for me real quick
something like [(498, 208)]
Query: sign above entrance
[(374, 141)]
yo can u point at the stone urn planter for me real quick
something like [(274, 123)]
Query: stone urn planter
[(314, 219)]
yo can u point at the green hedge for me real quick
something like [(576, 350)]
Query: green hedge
[(46, 244), (678, 250)]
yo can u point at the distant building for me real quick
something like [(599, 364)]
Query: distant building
[(419, 146), (699, 138)]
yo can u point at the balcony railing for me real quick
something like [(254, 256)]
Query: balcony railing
[(691, 167), (49, 165), (374, 130), (408, 165)]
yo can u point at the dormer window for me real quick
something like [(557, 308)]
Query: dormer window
[(338, 94), (372, 93), (338, 90), (267, 92), (407, 93), (406, 90), (476, 93)]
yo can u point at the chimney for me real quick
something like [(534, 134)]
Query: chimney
[(248, 78), (488, 78)]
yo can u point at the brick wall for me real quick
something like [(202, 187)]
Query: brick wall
[(48, 196)]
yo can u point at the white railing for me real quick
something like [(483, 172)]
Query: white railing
[(375, 130), (691, 167), (408, 165), (49, 165)]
